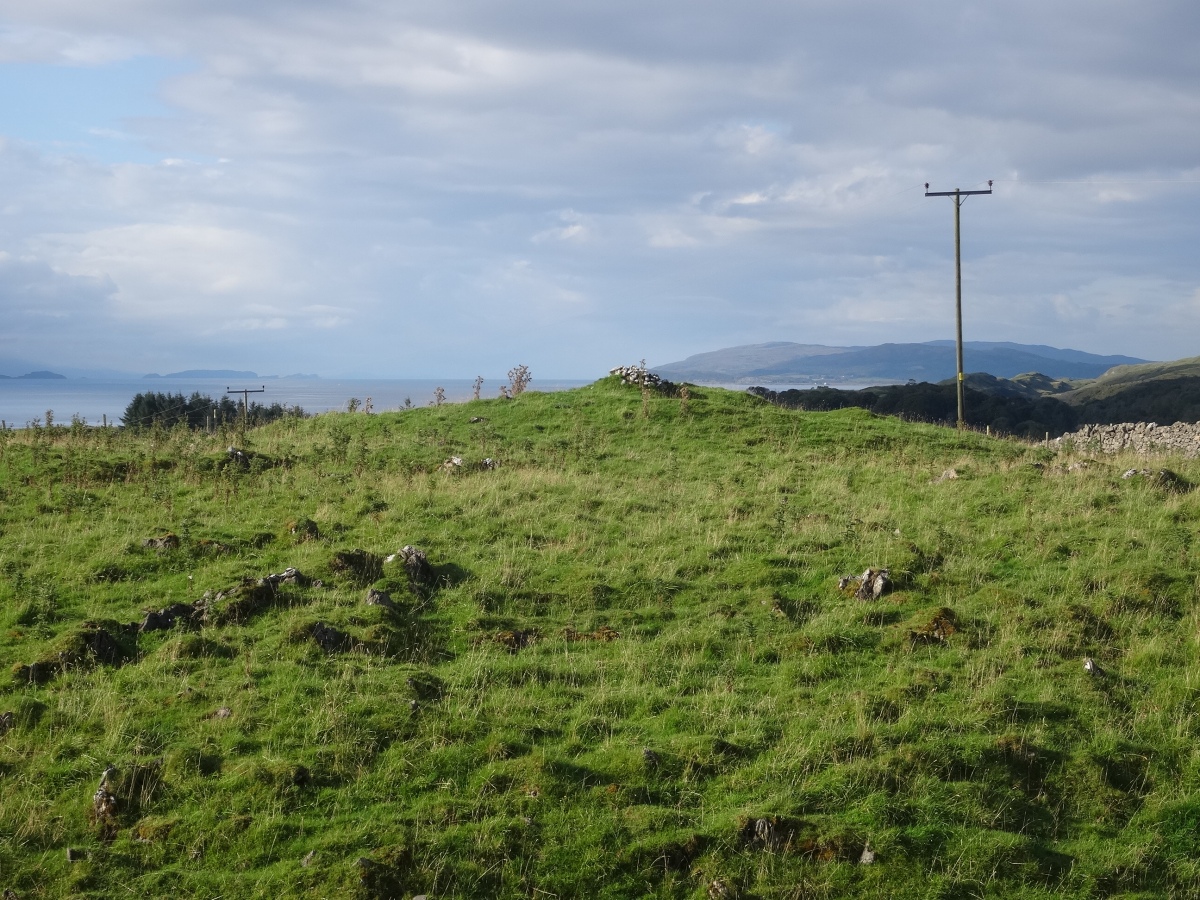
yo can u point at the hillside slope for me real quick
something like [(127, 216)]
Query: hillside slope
[(627, 672)]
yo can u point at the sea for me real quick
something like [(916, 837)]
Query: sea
[(24, 400), (97, 401)]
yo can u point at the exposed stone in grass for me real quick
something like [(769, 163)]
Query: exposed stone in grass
[(167, 617), (221, 712), (7, 720), (515, 640), (948, 475), (245, 460), (90, 644), (773, 834), (720, 890), (103, 814), (304, 530), (380, 598), (870, 585), (416, 566), (1164, 479), (236, 604), (291, 575), (163, 542), (330, 639), (936, 631), (361, 565), (650, 758)]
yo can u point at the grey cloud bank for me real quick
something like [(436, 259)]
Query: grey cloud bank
[(445, 188)]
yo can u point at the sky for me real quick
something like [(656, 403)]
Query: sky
[(444, 188)]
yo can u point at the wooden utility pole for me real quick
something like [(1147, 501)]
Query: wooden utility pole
[(245, 392), (960, 197)]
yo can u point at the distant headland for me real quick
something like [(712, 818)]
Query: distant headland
[(42, 374)]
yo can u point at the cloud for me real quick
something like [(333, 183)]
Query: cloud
[(445, 183), (197, 274)]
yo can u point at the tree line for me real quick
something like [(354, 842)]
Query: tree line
[(1163, 400), (198, 411), (938, 403)]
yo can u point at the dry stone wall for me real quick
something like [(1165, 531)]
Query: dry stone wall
[(1139, 437)]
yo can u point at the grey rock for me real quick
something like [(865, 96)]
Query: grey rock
[(380, 598), (416, 564)]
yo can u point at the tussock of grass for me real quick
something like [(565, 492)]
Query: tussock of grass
[(628, 670)]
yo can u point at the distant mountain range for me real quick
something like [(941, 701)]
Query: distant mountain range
[(782, 362)]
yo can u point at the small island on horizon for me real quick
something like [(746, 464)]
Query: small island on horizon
[(39, 374)]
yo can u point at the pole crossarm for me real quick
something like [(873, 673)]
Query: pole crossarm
[(955, 193), (245, 392), (959, 199)]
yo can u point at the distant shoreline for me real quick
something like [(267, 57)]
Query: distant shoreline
[(97, 400)]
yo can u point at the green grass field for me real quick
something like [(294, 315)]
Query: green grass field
[(633, 673)]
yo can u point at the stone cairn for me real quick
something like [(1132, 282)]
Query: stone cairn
[(1139, 437), (638, 375)]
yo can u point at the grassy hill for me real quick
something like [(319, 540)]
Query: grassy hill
[(629, 671), (1152, 392), (1119, 377)]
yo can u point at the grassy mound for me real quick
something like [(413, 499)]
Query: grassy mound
[(613, 660)]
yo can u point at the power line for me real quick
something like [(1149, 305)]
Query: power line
[(960, 197), (1101, 183)]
